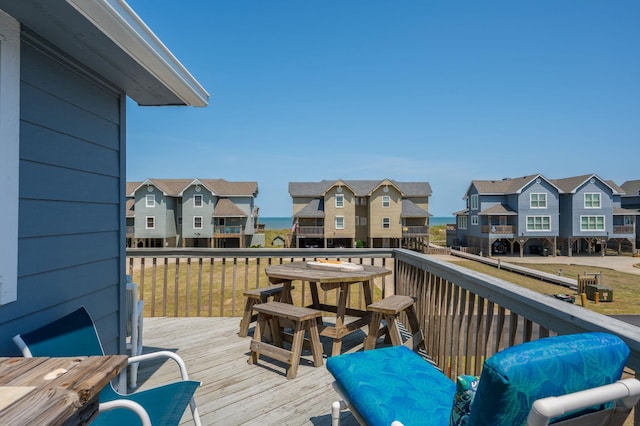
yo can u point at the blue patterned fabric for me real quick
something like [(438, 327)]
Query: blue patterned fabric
[(393, 383), (514, 378), (466, 388)]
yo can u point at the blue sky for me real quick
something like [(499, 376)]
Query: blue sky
[(436, 91)]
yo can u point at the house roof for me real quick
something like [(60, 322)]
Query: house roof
[(360, 188), (619, 211), (571, 184), (505, 186), (226, 208), (410, 209), (130, 211), (498, 209), (218, 187), (110, 38), (631, 188), (313, 210)]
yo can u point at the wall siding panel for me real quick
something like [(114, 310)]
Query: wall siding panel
[(70, 247)]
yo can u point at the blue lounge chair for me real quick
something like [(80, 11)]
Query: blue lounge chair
[(75, 335), (562, 379)]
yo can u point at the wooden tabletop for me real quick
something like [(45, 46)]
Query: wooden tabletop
[(54, 391), (301, 271)]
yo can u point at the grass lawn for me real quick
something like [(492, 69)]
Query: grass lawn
[(626, 294)]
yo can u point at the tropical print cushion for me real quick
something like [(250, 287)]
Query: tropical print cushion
[(466, 387), (393, 383), (514, 378)]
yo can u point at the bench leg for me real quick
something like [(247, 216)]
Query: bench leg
[(393, 329), (296, 349), (257, 337), (316, 346), (414, 325), (374, 330), (246, 317)]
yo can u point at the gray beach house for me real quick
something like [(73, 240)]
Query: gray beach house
[(536, 215), (66, 69)]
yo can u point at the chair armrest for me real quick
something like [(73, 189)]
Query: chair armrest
[(162, 354), (130, 405), (624, 392)]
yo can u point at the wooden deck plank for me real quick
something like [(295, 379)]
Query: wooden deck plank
[(234, 392)]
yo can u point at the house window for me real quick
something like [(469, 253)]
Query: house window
[(386, 223), (197, 222), (474, 220), (197, 200), (592, 223), (538, 223), (357, 220), (474, 202), (339, 222), (462, 222), (592, 200), (150, 200), (150, 222), (363, 221), (538, 200), (363, 201), (386, 201), (339, 200), (10, 157)]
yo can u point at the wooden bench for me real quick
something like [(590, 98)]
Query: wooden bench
[(255, 296), (303, 319), (390, 309)]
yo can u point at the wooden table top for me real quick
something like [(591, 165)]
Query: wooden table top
[(301, 271), (48, 391)]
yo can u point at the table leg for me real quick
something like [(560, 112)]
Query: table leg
[(342, 306), (367, 288)]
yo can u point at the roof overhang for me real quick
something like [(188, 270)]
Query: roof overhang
[(111, 39)]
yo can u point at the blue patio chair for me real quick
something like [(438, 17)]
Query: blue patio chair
[(566, 380), (75, 335)]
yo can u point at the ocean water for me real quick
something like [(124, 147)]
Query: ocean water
[(285, 222)]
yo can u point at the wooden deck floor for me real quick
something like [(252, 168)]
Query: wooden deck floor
[(234, 392)]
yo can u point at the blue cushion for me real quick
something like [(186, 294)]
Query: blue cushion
[(466, 388), (393, 383), (514, 378)]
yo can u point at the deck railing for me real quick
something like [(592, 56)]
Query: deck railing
[(466, 316)]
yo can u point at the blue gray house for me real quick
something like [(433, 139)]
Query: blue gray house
[(536, 215), (66, 69), (510, 216), (592, 216), (630, 200)]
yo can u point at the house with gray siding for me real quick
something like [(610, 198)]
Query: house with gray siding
[(536, 215), (592, 216), (192, 213), (516, 215), (64, 79), (630, 200)]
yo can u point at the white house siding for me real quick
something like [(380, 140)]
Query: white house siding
[(71, 208)]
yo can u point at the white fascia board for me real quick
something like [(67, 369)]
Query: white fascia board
[(123, 26), (10, 157)]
